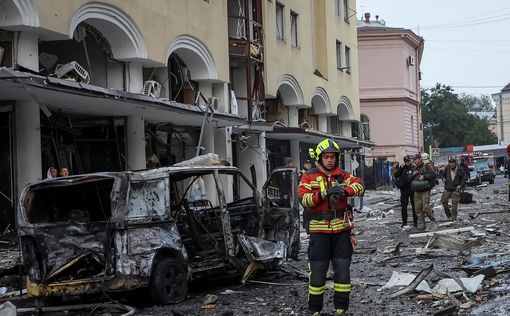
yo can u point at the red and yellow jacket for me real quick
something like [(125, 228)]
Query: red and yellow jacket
[(316, 180)]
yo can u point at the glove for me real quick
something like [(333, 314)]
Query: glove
[(335, 194), (338, 190)]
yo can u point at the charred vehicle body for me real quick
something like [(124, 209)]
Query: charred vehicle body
[(126, 230)]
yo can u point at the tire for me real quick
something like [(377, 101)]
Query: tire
[(479, 181), (491, 180), (169, 282)]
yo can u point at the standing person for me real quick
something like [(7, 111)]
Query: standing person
[(64, 172), (404, 176), (51, 173), (307, 165), (464, 167), (324, 190), (425, 174), (454, 180)]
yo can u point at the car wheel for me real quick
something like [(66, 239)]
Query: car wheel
[(491, 180), (479, 180), (169, 282)]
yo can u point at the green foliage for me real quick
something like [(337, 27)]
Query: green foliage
[(475, 103), (446, 120)]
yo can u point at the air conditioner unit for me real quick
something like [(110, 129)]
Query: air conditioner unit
[(152, 88), (72, 70), (411, 61), (214, 102)]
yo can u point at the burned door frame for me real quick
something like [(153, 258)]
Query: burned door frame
[(292, 210)]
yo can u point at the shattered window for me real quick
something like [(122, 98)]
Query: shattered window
[(77, 202), (236, 188), (149, 198)]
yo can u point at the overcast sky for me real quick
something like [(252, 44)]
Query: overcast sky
[(467, 42)]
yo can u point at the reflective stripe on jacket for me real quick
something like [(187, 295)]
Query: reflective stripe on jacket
[(313, 182)]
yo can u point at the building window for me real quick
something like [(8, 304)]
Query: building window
[(339, 55), (348, 59), (346, 10), (279, 21), (337, 7), (294, 29)]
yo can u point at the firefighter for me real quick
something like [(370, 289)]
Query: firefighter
[(324, 190)]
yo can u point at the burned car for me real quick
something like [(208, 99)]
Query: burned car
[(127, 230)]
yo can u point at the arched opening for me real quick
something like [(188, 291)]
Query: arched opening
[(16, 14), (290, 91), (345, 116), (190, 69), (126, 40)]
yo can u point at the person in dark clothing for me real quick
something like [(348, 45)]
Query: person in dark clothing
[(454, 180), (464, 167), (403, 182)]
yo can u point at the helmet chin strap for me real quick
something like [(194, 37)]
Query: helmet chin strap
[(322, 168)]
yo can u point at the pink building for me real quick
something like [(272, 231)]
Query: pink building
[(389, 69)]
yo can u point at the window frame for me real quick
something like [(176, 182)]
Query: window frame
[(339, 58), (347, 59), (337, 7), (294, 38), (346, 10), (279, 11)]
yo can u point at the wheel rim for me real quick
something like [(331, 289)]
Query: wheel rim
[(174, 282)]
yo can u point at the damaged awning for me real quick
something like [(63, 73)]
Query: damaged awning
[(312, 136), (74, 97)]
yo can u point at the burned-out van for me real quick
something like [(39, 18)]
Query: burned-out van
[(126, 230)]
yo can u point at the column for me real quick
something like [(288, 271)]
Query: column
[(254, 155), (293, 116), (294, 153), (223, 147), (135, 125), (323, 123), (28, 143), (135, 138), (346, 128), (208, 143)]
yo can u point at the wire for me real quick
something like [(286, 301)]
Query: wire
[(470, 50)]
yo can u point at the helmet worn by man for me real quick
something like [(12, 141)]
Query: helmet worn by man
[(325, 146)]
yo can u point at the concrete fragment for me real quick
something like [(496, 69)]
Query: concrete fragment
[(210, 299), (404, 279), (414, 283), (442, 232), (7, 309), (438, 241), (451, 286)]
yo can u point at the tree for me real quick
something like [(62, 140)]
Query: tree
[(446, 120), (475, 103)]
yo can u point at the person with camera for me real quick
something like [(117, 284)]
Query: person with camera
[(403, 176), (324, 191)]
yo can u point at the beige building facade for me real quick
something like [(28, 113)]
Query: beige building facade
[(116, 85)]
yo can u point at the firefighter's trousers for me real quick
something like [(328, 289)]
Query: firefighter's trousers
[(323, 249)]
